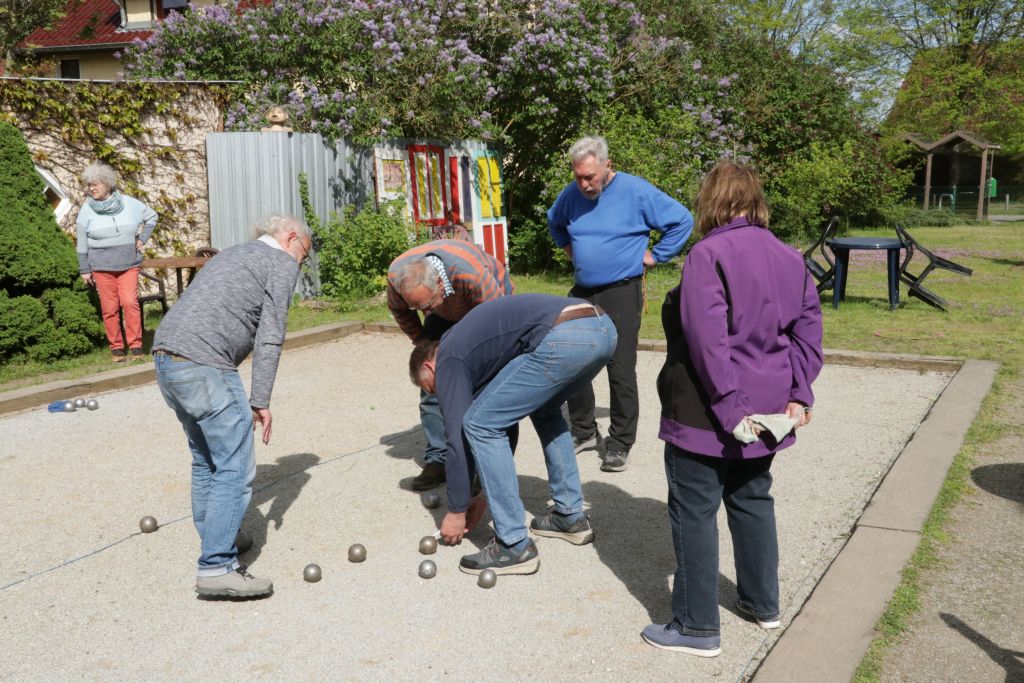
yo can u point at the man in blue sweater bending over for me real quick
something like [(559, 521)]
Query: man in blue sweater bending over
[(508, 359), (603, 220)]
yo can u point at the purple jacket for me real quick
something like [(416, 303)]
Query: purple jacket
[(744, 337)]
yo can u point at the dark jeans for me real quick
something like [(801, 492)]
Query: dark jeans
[(696, 484), (623, 302)]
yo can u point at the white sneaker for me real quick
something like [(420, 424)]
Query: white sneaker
[(237, 584)]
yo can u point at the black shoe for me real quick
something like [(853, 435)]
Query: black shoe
[(118, 355), (432, 476), (555, 525), (615, 461), (502, 560)]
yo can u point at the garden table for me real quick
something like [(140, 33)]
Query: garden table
[(179, 263), (841, 246)]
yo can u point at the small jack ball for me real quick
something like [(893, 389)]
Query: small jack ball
[(356, 553), (487, 579), (79, 403), (428, 545), (428, 569), (312, 573), (148, 524), (243, 542), (431, 500), (69, 406), (92, 404)]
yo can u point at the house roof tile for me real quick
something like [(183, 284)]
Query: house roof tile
[(87, 23)]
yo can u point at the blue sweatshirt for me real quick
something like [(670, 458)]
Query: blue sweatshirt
[(469, 357), (610, 234), (107, 243)]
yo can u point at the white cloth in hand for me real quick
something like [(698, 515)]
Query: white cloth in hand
[(778, 425)]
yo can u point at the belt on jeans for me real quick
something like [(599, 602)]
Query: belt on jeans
[(578, 311), (174, 357)]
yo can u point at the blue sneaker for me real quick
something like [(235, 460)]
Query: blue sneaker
[(766, 623), (668, 637)]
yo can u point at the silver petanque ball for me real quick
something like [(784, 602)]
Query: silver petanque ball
[(487, 579), (243, 542), (69, 406), (428, 545), (428, 569), (356, 552), (312, 573), (92, 404), (148, 524), (431, 500), (79, 403)]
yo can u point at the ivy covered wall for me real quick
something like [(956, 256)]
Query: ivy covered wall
[(154, 134)]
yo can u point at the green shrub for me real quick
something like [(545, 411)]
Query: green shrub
[(909, 216), (354, 249), (44, 312)]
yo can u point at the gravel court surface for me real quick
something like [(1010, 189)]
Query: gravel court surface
[(338, 472)]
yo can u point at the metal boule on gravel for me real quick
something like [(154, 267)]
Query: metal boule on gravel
[(79, 403), (428, 569), (69, 406), (148, 524), (356, 552), (487, 579), (431, 500), (243, 542), (428, 545), (92, 404), (312, 573)]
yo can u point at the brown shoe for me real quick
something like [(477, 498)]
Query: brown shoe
[(136, 354), (432, 476), (117, 355)]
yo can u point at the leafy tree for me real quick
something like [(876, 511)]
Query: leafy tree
[(44, 311), (18, 18)]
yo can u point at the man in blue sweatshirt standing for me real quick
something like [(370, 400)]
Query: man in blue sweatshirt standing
[(603, 220), (508, 359)]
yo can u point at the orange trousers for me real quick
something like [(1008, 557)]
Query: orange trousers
[(120, 292)]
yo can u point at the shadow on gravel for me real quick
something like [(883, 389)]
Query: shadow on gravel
[(1004, 480), (280, 485), (632, 538), (1010, 660)]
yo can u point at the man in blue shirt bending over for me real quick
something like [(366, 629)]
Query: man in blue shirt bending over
[(509, 358), (603, 220)]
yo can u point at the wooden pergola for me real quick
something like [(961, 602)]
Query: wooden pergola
[(956, 137)]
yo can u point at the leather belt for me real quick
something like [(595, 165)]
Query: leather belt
[(579, 311), (174, 357)]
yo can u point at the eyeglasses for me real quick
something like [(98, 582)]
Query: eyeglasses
[(305, 257)]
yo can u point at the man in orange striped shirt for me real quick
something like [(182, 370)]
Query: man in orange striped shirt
[(444, 279)]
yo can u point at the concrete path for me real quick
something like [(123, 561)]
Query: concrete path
[(84, 595)]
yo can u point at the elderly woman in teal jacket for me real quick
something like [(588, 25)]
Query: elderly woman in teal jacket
[(112, 230)]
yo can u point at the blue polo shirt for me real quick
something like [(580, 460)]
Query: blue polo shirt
[(610, 234), (471, 354)]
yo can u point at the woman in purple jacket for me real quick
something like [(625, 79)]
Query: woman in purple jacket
[(744, 340)]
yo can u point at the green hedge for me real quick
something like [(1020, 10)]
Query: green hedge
[(45, 311)]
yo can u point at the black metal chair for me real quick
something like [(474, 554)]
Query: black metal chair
[(915, 286), (825, 277)]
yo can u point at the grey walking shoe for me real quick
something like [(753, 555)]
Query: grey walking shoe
[(593, 443), (767, 623), (237, 584), (555, 525), (667, 637), (502, 559), (615, 461)]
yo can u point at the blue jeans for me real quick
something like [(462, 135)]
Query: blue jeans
[(536, 384), (213, 408), (696, 486), (433, 428)]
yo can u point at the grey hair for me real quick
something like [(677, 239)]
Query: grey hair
[(99, 172), (593, 145), (417, 273), (278, 223)]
